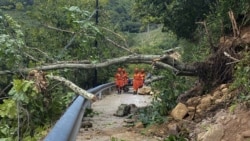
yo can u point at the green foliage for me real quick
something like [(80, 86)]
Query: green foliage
[(192, 52), (218, 17), (72, 38), (178, 16), (120, 16), (175, 138), (19, 6), (232, 107), (27, 113), (150, 115), (153, 41), (90, 113), (162, 103), (8, 109), (116, 139), (170, 88), (11, 42), (242, 78)]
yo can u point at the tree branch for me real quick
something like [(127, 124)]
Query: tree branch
[(58, 29), (208, 35), (73, 87), (163, 61), (117, 45)]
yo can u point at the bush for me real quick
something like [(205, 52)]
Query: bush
[(242, 78)]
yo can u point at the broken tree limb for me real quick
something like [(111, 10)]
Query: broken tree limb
[(169, 51), (73, 87), (164, 61), (229, 56), (234, 24), (117, 45)]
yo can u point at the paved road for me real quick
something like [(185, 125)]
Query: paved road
[(106, 126)]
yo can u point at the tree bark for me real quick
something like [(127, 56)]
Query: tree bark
[(162, 61), (73, 87)]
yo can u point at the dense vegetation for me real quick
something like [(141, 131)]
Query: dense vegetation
[(40, 32)]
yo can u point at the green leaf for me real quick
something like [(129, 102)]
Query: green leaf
[(8, 109), (74, 8), (27, 85)]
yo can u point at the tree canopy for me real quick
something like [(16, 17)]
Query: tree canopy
[(181, 16)]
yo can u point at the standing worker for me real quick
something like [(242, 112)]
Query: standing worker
[(136, 80), (119, 80), (142, 74), (125, 80)]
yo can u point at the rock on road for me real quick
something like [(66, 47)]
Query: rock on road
[(106, 126)]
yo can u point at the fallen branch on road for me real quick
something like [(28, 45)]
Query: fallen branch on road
[(73, 87)]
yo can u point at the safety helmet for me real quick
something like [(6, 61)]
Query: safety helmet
[(136, 69)]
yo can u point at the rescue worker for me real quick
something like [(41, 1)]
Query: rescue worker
[(125, 80), (136, 80), (142, 75), (119, 80)]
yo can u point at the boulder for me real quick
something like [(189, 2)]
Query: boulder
[(246, 134), (173, 129), (215, 133), (133, 108), (86, 124), (193, 101), (139, 125), (180, 111), (145, 90), (123, 110), (126, 109), (205, 102)]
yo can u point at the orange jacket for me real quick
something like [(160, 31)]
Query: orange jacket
[(119, 79), (142, 74), (136, 81), (125, 78)]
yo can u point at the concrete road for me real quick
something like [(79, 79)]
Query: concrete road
[(106, 126)]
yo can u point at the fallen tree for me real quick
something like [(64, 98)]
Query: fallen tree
[(215, 70), (40, 80), (162, 61)]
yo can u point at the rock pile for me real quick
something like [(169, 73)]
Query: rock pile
[(197, 107), (208, 119)]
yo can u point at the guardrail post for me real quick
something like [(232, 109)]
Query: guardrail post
[(109, 89), (100, 95)]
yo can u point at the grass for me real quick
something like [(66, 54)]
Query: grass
[(152, 42)]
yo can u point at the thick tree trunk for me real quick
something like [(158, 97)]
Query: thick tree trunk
[(162, 61)]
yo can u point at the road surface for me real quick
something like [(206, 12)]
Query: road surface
[(106, 126)]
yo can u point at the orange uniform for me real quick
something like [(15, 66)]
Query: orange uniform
[(119, 80), (125, 77), (136, 80), (142, 74)]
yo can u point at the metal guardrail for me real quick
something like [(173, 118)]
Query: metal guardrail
[(67, 127)]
